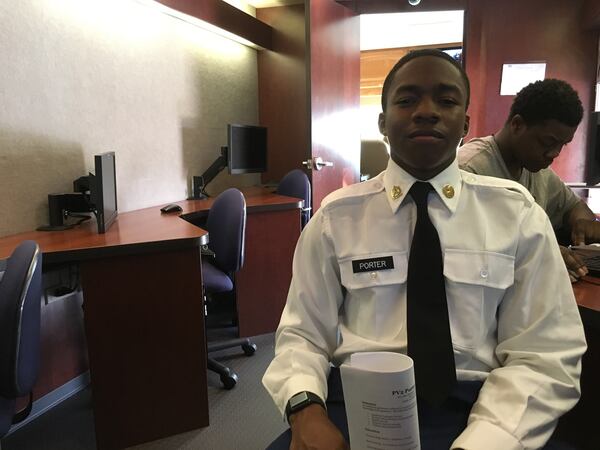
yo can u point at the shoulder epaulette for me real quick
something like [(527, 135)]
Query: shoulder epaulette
[(499, 184), (355, 191)]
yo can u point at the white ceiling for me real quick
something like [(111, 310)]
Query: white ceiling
[(410, 29)]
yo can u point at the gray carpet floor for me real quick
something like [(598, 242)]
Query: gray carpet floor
[(242, 418)]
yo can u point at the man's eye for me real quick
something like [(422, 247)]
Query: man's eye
[(448, 101), (404, 101)]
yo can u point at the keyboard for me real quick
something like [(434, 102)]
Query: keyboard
[(591, 257), (593, 264)]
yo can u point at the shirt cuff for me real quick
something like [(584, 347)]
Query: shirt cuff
[(481, 434), (301, 384)]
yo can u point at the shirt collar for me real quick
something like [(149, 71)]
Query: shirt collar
[(397, 182)]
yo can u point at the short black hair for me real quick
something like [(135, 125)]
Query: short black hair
[(416, 54), (549, 99)]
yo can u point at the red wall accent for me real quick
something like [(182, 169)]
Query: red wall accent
[(523, 31)]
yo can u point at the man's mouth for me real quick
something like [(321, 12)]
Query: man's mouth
[(426, 136)]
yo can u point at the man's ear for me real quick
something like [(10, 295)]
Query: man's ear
[(381, 123), (466, 127), (517, 124)]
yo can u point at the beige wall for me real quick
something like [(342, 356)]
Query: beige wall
[(80, 77)]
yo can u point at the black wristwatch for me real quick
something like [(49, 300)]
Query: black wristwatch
[(300, 401)]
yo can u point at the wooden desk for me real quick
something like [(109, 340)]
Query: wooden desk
[(144, 317), (579, 426), (143, 322), (587, 293)]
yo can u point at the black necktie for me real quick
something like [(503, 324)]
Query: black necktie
[(429, 339)]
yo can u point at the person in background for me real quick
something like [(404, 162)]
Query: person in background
[(542, 120), (367, 266)]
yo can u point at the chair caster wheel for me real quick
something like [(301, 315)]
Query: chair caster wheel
[(229, 381), (249, 349)]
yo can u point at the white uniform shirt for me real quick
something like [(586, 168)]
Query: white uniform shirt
[(513, 316)]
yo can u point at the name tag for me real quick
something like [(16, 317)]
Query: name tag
[(373, 264)]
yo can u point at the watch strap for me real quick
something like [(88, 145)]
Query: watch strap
[(300, 401)]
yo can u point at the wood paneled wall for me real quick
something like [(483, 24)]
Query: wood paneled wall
[(591, 15), (283, 90)]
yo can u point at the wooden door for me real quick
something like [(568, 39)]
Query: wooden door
[(334, 96), (309, 92)]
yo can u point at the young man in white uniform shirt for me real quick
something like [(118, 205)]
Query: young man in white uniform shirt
[(513, 318)]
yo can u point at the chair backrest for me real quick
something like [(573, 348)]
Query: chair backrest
[(296, 184), (226, 226), (374, 157), (20, 299)]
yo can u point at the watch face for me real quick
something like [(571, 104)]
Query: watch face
[(298, 399)]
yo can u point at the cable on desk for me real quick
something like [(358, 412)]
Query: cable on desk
[(82, 218)]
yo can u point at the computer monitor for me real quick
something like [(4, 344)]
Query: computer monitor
[(247, 149), (103, 190), (246, 152)]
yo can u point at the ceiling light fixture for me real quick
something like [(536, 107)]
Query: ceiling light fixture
[(414, 2)]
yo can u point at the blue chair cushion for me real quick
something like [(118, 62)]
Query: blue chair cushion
[(214, 279)]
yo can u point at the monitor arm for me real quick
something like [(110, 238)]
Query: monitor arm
[(70, 204), (199, 183), (61, 206)]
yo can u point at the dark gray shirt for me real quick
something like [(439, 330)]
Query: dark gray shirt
[(482, 156)]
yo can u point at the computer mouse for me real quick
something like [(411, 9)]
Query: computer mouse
[(171, 208)]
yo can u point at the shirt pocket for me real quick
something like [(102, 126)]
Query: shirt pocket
[(475, 284), (375, 277), (372, 307)]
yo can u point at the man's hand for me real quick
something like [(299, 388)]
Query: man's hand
[(585, 230), (312, 429), (574, 263)]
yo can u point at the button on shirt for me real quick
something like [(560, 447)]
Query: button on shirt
[(513, 316)]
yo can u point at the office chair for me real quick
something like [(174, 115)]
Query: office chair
[(226, 225), (20, 299), (296, 184)]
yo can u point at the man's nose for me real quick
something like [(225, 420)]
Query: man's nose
[(427, 109)]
